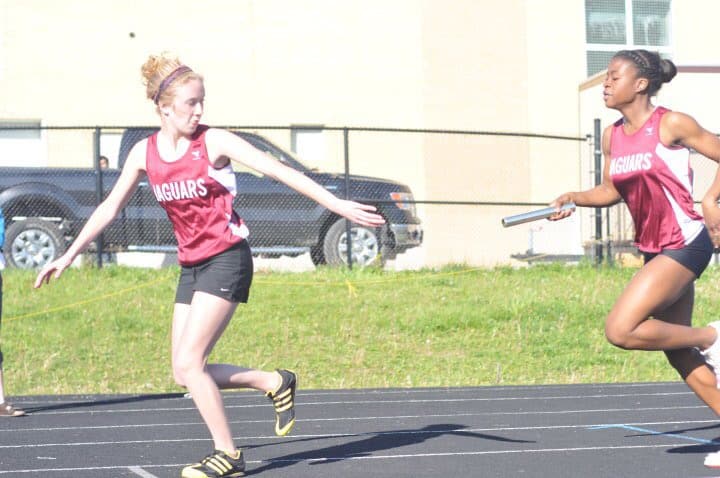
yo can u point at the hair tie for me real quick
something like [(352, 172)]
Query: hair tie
[(169, 79)]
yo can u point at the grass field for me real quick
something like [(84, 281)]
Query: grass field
[(98, 331)]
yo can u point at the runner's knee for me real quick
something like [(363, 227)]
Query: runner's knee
[(184, 366), (618, 336)]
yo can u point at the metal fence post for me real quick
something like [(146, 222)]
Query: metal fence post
[(598, 180), (608, 240), (98, 191), (348, 226)]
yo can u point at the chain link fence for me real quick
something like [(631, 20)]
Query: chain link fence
[(442, 192)]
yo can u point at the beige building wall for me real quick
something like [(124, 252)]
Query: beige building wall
[(694, 32), (556, 52), (467, 66), (481, 65)]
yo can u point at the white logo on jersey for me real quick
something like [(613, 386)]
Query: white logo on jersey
[(195, 155), (649, 131), (188, 189), (630, 163)]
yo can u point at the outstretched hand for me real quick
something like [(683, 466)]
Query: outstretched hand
[(362, 214), (558, 203), (54, 269)]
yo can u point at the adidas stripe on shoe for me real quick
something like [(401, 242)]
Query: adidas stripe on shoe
[(218, 464), (283, 400)]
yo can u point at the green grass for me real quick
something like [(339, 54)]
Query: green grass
[(108, 331)]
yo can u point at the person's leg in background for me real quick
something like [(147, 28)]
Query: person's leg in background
[(6, 410)]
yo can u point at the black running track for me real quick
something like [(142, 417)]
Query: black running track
[(628, 430)]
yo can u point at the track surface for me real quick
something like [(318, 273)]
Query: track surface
[(638, 430)]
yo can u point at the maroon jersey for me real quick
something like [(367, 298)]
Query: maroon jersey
[(656, 183), (197, 199)]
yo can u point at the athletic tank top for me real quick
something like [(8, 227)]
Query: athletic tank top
[(197, 199), (655, 181)]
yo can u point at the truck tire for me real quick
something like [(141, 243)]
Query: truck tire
[(33, 243), (316, 255), (365, 242)]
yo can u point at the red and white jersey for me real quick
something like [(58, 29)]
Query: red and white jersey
[(197, 199), (656, 183)]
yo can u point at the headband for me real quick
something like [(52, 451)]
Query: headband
[(169, 79)]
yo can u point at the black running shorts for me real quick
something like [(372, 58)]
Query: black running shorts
[(695, 256), (227, 275)]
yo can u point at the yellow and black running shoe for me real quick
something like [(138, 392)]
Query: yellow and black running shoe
[(218, 464), (284, 402)]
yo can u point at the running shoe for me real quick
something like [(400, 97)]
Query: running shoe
[(283, 400), (218, 464), (7, 410), (712, 460), (712, 353)]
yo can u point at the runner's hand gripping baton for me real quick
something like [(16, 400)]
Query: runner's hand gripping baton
[(534, 215)]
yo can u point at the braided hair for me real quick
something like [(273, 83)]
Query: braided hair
[(649, 65)]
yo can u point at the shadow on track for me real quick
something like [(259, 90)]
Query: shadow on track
[(375, 442), (103, 402)]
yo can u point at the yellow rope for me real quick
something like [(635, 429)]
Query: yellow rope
[(375, 281), (352, 292), (351, 288), (75, 304)]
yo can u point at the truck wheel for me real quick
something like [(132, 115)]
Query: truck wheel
[(33, 243), (317, 256), (365, 243)]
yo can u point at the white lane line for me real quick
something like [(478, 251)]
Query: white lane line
[(377, 457), (14, 431), (140, 472), (492, 399), (470, 453), (88, 468), (366, 402), (483, 389), (440, 431), (80, 399)]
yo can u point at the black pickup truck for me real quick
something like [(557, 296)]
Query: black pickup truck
[(46, 207)]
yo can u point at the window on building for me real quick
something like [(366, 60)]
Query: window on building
[(308, 143), (109, 147), (612, 25), (21, 144)]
